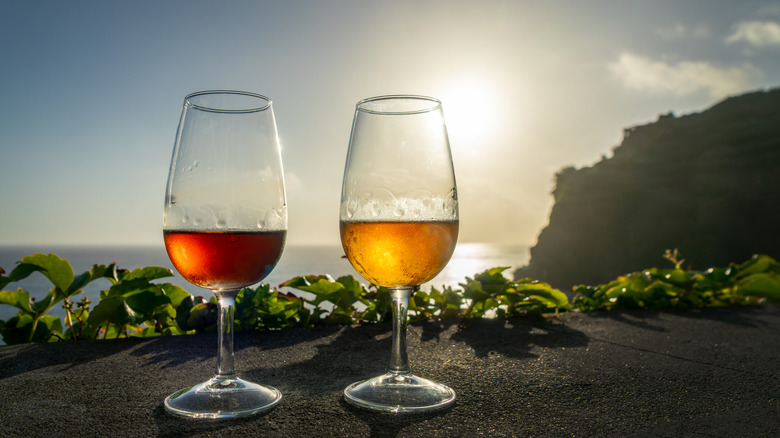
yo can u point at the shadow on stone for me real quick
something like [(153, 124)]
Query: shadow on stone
[(174, 426), (517, 337), (746, 316), (359, 352), (176, 350), (640, 318), (385, 424), (22, 358)]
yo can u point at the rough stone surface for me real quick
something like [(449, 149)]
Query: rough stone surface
[(697, 373)]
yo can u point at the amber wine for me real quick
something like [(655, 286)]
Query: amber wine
[(220, 260), (396, 254)]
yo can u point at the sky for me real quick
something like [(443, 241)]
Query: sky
[(91, 93)]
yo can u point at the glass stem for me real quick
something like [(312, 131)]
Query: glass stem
[(399, 361), (225, 364)]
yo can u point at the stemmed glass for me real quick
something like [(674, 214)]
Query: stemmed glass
[(225, 225), (399, 226)]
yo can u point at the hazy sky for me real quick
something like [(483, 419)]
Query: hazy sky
[(91, 93)]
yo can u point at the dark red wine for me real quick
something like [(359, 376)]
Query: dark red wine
[(223, 261)]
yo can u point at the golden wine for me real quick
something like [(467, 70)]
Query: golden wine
[(221, 260), (398, 254)]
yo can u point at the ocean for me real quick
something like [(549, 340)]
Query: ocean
[(469, 259)]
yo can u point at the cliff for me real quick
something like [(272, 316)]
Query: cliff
[(706, 183)]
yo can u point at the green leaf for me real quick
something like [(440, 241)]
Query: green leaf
[(493, 276), (18, 298), (305, 280), (48, 325), (719, 274), (492, 280), (585, 290), (165, 311), (148, 273), (436, 296), (339, 316), (761, 285), (22, 271), (127, 287), (202, 316), (19, 273), (325, 289), (94, 273), (145, 302), (380, 305), (44, 305), (491, 303), (57, 270), (82, 331), (175, 294), (17, 329), (758, 263), (114, 310), (679, 277), (79, 281), (420, 302), (553, 296), (172, 331), (147, 332), (3, 279), (183, 312), (112, 332), (473, 291), (351, 285), (615, 291)]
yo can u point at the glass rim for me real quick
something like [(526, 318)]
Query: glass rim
[(433, 104), (244, 109)]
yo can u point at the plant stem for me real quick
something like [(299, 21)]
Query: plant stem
[(225, 363), (70, 323), (399, 361), (81, 324), (34, 326)]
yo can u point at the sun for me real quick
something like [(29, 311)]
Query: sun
[(469, 112)]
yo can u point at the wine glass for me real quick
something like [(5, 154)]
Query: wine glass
[(399, 225), (225, 225)]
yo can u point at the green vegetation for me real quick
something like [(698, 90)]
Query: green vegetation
[(135, 306), (678, 288), (131, 303)]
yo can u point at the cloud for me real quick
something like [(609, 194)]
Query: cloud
[(683, 78), (756, 33), (680, 31)]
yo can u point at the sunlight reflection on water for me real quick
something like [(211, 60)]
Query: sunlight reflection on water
[(472, 258)]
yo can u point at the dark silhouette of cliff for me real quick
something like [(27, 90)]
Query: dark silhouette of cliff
[(706, 183)]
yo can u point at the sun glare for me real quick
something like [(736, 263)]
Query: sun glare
[(468, 110)]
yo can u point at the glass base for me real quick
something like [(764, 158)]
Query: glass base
[(399, 392), (222, 398)]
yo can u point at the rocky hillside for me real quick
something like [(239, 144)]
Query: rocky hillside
[(705, 183)]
